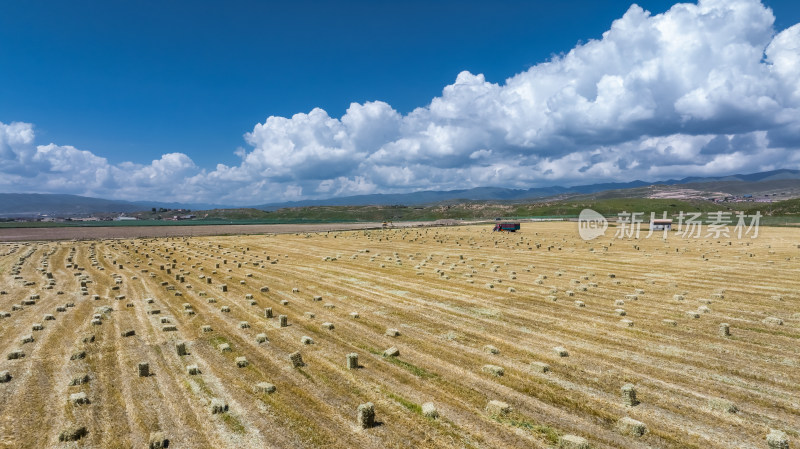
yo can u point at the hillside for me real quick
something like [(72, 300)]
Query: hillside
[(778, 184)]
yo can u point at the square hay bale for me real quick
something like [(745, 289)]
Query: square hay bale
[(180, 348), (391, 352), (498, 408), (629, 395), (693, 314), (297, 359), (218, 406), (540, 367), (306, 340), (78, 398), (626, 323), (328, 326), (169, 328), (365, 415), (241, 362), (143, 368), (352, 360), (777, 439), (244, 325), (772, 321), (223, 287), (572, 442), (678, 297), (630, 426), (295, 290), (317, 298), (491, 349), (248, 296), (561, 351), (74, 433), (206, 328), (261, 338), (284, 302), (89, 338), (310, 315), (225, 309), (5, 376), (494, 370), (620, 312), (158, 440), (192, 370), (128, 333), (429, 410), (268, 312), (78, 355), (61, 309), (264, 387), (37, 327), (283, 320), (329, 305), (154, 312), (224, 347), (354, 315), (211, 300), (724, 330), (392, 332), (26, 339), (79, 380), (672, 323), (722, 405), (164, 320)]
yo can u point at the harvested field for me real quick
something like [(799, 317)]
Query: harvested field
[(122, 232), (516, 365)]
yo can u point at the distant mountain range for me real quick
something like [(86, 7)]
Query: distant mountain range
[(503, 194), (34, 204), (23, 204)]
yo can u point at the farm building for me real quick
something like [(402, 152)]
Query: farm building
[(661, 224), (510, 226)]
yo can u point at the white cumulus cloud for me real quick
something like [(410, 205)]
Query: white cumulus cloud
[(702, 89)]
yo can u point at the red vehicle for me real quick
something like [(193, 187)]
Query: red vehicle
[(509, 226)]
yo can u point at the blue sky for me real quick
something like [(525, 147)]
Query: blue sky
[(172, 100)]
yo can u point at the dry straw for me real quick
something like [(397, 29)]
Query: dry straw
[(498, 408), (573, 442), (365, 415), (297, 359), (777, 439), (630, 426), (629, 395)]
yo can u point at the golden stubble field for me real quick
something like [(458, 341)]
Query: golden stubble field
[(550, 326)]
